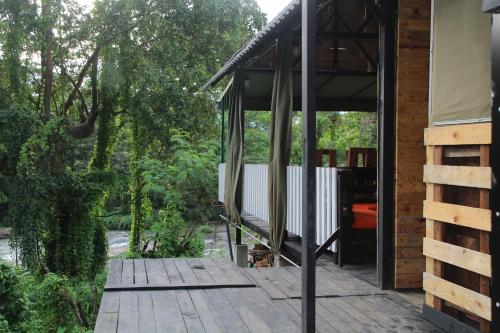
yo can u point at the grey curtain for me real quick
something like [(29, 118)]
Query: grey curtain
[(234, 156), (280, 142)]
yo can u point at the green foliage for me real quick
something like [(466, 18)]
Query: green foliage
[(52, 297), (12, 300), (56, 232), (187, 179), (50, 303), (334, 130), (174, 237)]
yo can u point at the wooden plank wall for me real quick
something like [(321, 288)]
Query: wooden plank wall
[(411, 120)]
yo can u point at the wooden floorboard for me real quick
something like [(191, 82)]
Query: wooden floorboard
[(209, 296)]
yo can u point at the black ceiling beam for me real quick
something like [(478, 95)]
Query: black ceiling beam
[(375, 9), (365, 24), (343, 35), (358, 43), (318, 72), (322, 104)]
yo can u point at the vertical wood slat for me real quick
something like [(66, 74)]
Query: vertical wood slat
[(484, 244), (434, 229)]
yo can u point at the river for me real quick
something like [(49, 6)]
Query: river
[(215, 243)]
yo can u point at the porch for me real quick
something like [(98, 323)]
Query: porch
[(214, 295)]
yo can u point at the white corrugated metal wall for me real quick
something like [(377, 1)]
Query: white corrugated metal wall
[(255, 197)]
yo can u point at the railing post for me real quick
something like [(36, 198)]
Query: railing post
[(308, 165)]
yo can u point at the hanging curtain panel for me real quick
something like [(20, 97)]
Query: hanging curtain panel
[(280, 141), (234, 156), (460, 63)]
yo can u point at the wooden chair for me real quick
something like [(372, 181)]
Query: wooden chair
[(332, 157), (361, 157), (355, 186)]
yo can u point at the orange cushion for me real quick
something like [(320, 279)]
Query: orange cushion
[(365, 216)]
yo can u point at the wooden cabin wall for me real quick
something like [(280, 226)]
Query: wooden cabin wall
[(413, 42)]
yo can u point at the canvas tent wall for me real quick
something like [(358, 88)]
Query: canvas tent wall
[(460, 63)]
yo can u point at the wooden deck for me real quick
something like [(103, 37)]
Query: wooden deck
[(213, 295)]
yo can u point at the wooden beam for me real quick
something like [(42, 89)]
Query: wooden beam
[(322, 104), (464, 298), (470, 217), (461, 257), (478, 177), (470, 134), (176, 286)]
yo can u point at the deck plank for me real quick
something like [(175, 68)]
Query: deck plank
[(128, 318), (168, 316), (147, 322), (189, 313), (258, 311), (203, 305), (225, 312), (128, 272), (266, 284), (185, 271), (140, 276), (172, 271), (156, 272), (115, 272), (107, 320), (322, 315), (345, 303), (200, 270)]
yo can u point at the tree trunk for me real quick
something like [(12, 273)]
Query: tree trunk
[(47, 57)]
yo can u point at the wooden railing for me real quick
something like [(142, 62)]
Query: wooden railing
[(255, 198)]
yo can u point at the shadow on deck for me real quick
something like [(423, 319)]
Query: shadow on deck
[(214, 295)]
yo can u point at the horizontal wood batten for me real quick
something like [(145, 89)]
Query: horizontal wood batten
[(471, 217), (176, 286), (470, 134), (478, 177), (464, 298), (461, 257)]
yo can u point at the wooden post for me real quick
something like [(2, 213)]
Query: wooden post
[(308, 165), (242, 255)]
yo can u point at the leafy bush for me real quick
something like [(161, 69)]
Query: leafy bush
[(12, 300), (174, 237), (51, 303)]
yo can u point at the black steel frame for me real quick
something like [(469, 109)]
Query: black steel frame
[(494, 7), (386, 150), (308, 165)]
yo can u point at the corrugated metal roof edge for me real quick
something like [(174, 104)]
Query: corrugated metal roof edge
[(262, 36)]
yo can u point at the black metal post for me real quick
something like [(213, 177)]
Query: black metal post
[(494, 6), (308, 165), (222, 107), (386, 153), (241, 83)]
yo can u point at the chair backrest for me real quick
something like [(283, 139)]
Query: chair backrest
[(362, 157), (332, 157)]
